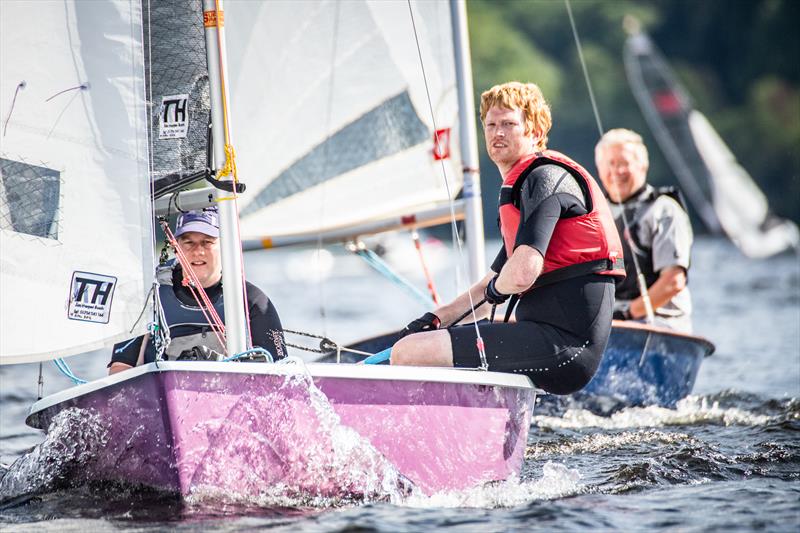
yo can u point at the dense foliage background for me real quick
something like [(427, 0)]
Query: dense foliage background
[(739, 60)]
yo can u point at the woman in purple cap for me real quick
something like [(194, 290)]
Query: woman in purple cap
[(197, 235)]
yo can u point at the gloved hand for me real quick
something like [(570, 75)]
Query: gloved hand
[(199, 353), (427, 322), (492, 295), (622, 310)]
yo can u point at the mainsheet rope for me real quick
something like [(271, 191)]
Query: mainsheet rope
[(648, 306), (454, 228)]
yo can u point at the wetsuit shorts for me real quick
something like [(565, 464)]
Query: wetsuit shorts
[(558, 340)]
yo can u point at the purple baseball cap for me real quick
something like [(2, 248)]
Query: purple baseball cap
[(205, 221)]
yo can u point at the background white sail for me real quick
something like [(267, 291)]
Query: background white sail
[(331, 113), (740, 205), (75, 223)]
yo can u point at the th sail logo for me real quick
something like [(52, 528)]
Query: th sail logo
[(90, 297), (173, 120)]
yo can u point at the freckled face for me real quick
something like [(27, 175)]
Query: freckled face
[(203, 254), (621, 171), (506, 140)]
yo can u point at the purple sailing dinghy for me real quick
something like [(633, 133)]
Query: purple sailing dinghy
[(239, 429), (243, 428)]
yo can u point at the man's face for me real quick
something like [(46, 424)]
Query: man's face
[(203, 254), (621, 170), (506, 140)]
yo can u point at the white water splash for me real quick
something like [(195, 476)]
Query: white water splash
[(298, 454), (692, 410), (73, 440), (557, 481)]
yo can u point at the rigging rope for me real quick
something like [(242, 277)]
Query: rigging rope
[(325, 345), (428, 277), (648, 306), (197, 290), (454, 228), (323, 187), (383, 268), (67, 371)]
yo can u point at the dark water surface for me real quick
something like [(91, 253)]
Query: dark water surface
[(727, 458)]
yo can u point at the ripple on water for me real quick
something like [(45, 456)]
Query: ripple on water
[(693, 410)]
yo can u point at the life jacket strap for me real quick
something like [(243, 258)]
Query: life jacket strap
[(572, 271), (581, 269)]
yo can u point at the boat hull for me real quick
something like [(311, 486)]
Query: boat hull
[(221, 428), (642, 365)]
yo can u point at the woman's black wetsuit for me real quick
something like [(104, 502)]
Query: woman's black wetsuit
[(562, 328)]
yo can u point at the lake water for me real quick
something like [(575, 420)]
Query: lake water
[(727, 458)]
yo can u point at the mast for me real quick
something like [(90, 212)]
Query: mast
[(231, 248), (468, 142)]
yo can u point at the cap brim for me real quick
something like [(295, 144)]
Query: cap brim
[(199, 226)]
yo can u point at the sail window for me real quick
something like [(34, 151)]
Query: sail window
[(29, 199)]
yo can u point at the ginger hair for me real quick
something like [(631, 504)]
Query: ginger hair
[(526, 97)]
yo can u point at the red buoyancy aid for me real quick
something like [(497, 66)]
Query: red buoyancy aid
[(579, 245)]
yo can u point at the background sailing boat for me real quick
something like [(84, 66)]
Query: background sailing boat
[(722, 192)]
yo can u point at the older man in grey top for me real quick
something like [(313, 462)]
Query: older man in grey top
[(660, 234)]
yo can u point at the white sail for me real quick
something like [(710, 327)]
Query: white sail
[(331, 111), (740, 205), (76, 227)]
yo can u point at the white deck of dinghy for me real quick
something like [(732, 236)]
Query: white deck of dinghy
[(316, 370)]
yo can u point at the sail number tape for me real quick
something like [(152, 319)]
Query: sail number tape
[(210, 19)]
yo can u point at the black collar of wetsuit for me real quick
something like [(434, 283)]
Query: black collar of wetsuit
[(185, 295)]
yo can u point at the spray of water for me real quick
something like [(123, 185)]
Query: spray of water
[(74, 439)]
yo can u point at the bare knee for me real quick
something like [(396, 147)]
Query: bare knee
[(402, 352), (429, 348)]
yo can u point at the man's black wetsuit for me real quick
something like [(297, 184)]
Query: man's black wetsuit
[(562, 328), (265, 325)]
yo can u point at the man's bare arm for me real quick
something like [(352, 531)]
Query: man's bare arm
[(670, 282)]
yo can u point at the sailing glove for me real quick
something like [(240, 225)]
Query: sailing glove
[(427, 322), (622, 311), (492, 295), (199, 353)]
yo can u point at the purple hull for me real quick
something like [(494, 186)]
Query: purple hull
[(243, 428)]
